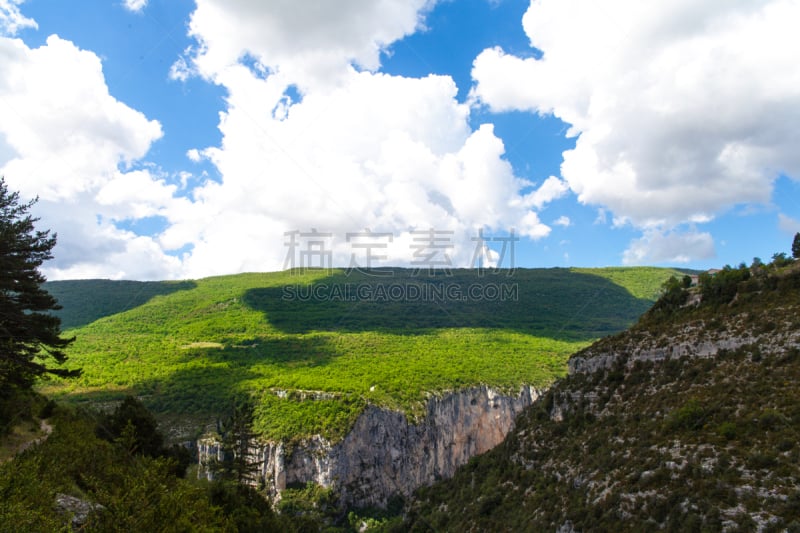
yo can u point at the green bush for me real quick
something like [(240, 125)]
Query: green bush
[(728, 430)]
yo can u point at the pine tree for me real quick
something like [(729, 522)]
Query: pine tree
[(237, 462), (796, 246), (30, 337)]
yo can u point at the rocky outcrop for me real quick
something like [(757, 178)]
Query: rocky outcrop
[(385, 454), (76, 509), (692, 340)]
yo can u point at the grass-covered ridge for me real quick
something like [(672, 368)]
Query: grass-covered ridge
[(189, 346)]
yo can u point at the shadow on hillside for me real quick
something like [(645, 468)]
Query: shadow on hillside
[(84, 301), (289, 351), (188, 391), (555, 303), (225, 372)]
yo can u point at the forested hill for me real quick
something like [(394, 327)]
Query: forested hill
[(689, 421), (587, 301), (388, 338)]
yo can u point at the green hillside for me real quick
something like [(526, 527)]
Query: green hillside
[(187, 347)]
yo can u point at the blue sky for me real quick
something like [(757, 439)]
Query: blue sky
[(176, 139)]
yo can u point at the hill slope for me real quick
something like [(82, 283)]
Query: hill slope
[(188, 347), (690, 421)]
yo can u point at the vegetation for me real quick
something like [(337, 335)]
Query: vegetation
[(123, 488), (685, 444), (90, 300), (115, 466), (30, 337), (312, 354), (235, 437)]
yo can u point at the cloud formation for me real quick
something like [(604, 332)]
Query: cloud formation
[(563, 221), (64, 138), (309, 42), (135, 6), (11, 19), (669, 247), (314, 137), (682, 109)]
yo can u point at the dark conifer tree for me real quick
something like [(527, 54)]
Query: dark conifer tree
[(30, 336)]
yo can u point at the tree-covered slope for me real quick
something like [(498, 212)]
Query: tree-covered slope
[(186, 348), (689, 421), (84, 301), (109, 473)]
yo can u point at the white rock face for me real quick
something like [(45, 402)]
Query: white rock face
[(694, 341), (384, 454)]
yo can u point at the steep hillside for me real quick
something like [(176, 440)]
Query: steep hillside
[(690, 421), (186, 348)]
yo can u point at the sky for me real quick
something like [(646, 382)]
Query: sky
[(179, 139)]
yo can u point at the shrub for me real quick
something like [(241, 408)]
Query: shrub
[(691, 416), (133, 423), (727, 430)]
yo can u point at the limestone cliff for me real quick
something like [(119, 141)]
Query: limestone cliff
[(692, 339), (384, 454)]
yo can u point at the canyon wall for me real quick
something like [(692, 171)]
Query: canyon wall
[(384, 454)]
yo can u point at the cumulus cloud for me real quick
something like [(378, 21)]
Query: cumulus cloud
[(682, 109), (309, 42), (382, 152), (550, 190), (314, 137), (312, 142), (68, 134), (135, 6), (64, 138), (11, 19), (563, 221), (194, 155), (669, 247)]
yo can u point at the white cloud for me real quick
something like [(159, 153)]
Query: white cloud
[(552, 189), (308, 141), (563, 221), (67, 133), (11, 19), (194, 155), (136, 194), (381, 152), (357, 150), (135, 6), (656, 246), (64, 138), (683, 109), (309, 42)]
